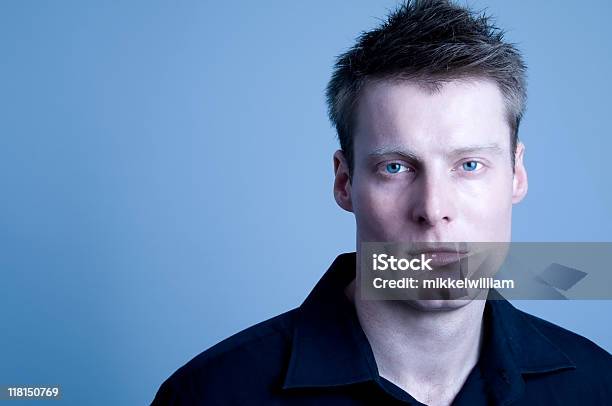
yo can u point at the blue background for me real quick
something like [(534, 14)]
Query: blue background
[(166, 173)]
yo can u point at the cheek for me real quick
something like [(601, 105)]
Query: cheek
[(378, 210), (488, 210)]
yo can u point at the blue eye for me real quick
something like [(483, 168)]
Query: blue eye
[(394, 167), (470, 166)]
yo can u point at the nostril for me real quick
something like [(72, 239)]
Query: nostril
[(422, 220)]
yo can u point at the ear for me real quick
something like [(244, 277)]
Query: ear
[(342, 182), (519, 184)]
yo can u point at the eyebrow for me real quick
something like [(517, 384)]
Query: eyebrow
[(470, 149), (492, 148), (393, 151)]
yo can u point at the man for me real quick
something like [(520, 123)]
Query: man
[(427, 109)]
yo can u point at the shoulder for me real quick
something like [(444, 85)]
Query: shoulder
[(255, 356), (592, 361), (268, 334)]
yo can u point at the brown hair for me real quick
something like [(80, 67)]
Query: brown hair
[(430, 42)]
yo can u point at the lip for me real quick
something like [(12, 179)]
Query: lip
[(440, 258)]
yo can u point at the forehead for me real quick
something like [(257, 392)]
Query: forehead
[(457, 114)]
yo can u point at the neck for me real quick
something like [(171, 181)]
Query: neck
[(418, 349)]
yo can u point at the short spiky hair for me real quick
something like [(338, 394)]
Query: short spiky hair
[(429, 42)]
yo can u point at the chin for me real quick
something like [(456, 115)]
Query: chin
[(437, 304)]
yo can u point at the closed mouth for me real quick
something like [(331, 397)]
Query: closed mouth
[(444, 257)]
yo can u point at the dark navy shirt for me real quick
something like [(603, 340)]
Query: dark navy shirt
[(318, 354)]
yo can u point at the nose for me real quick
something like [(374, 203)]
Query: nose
[(433, 203)]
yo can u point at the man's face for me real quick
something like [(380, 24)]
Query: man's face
[(431, 166)]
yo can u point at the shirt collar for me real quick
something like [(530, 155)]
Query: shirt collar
[(514, 347), (329, 347)]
